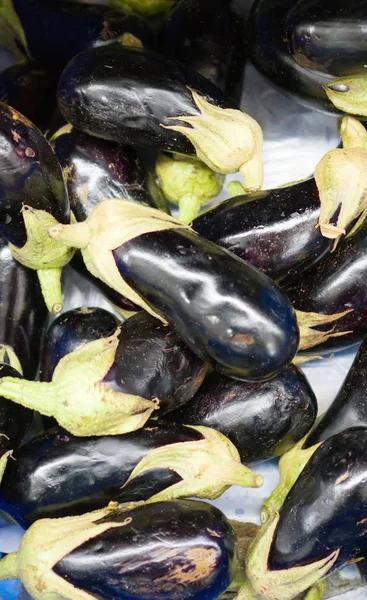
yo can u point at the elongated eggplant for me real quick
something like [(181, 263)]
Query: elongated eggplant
[(321, 525), (32, 197), (180, 549), (274, 230), (227, 312), (57, 31), (129, 95), (336, 285), (294, 45), (263, 420), (57, 474), (207, 37)]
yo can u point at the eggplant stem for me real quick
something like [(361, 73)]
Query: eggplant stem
[(235, 188), (317, 591), (31, 394), (50, 282), (9, 566), (189, 207), (76, 235)]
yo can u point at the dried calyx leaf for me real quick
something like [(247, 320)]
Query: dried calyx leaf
[(77, 399), (187, 182), (353, 133), (310, 337), (111, 224), (349, 94), (207, 467), (225, 139)]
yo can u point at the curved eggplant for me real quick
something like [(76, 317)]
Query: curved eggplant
[(57, 31), (206, 36), (338, 284), (129, 95), (294, 45), (185, 550), (57, 474), (262, 420), (274, 230), (32, 196)]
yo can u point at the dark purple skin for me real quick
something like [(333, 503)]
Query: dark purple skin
[(126, 94), (263, 420), (30, 175), (206, 36), (326, 508), (183, 550), (14, 418), (338, 283), (274, 230), (23, 313), (57, 474)]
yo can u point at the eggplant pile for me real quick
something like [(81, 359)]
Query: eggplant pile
[(118, 122)]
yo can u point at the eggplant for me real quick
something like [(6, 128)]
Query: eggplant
[(274, 230), (129, 95), (321, 525), (151, 361), (57, 31), (30, 89), (57, 474), (207, 37), (32, 197), (338, 284), (228, 313), (262, 420), (180, 549), (302, 46)]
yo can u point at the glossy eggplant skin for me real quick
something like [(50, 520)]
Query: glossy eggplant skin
[(326, 507), (274, 230), (206, 36), (57, 31), (183, 550), (57, 474), (23, 313), (262, 420), (338, 283), (70, 331), (30, 175), (30, 89), (126, 94), (231, 315), (349, 408), (14, 418)]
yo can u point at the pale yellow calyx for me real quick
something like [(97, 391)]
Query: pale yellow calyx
[(341, 179), (225, 139), (283, 584), (310, 337), (353, 133), (349, 94), (207, 467)]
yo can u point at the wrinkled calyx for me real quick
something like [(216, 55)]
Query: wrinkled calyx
[(349, 94), (310, 337)]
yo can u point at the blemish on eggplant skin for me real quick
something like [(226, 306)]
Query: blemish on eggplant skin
[(29, 152), (242, 338), (194, 565), (342, 478)]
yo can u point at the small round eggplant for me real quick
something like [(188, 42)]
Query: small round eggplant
[(206, 36), (262, 420), (273, 230), (128, 95), (57, 474), (336, 285), (184, 550)]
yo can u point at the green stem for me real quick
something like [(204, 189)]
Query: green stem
[(189, 207), (9, 567), (50, 281), (235, 188), (36, 395), (317, 591), (237, 474), (273, 503), (76, 235)]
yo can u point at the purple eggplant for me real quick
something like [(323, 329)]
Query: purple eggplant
[(262, 420)]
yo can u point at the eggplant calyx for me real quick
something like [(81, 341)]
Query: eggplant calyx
[(283, 584), (187, 182), (144, 8), (225, 139), (354, 134), (291, 464), (246, 593), (207, 467), (349, 94), (317, 591), (46, 543), (4, 461), (9, 357), (111, 224), (77, 399), (341, 179), (310, 337)]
